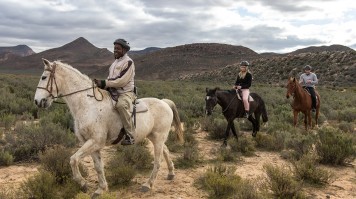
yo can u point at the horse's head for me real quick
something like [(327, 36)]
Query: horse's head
[(210, 100), (47, 88), (291, 86)]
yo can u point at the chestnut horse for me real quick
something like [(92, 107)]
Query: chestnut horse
[(302, 102)]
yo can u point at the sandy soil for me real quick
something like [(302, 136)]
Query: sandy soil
[(343, 186)]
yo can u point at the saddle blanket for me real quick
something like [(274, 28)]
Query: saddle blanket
[(250, 99), (141, 106)]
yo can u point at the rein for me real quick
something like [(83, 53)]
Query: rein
[(52, 80), (229, 104)]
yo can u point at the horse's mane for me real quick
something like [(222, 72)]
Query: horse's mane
[(67, 66)]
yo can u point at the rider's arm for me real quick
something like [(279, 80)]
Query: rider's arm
[(123, 77)]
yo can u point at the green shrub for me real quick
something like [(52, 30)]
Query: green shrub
[(28, 140), (335, 147), (216, 128), (306, 169), (300, 144), (137, 156), (42, 185), (247, 190), (227, 155), (244, 145), (6, 159), (273, 142), (220, 181), (119, 173), (281, 182), (347, 127), (191, 156), (8, 120), (56, 161)]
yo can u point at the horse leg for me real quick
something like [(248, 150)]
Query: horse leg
[(295, 118), (257, 118), (157, 142), (234, 130), (169, 162), (88, 148), (227, 132), (254, 126), (316, 117), (99, 168), (310, 125), (306, 120)]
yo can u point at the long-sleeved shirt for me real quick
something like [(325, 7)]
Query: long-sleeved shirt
[(245, 82), (121, 75), (305, 77)]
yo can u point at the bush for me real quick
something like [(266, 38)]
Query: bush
[(220, 181), (335, 147), (306, 170), (6, 159), (56, 161), (300, 144), (191, 156), (244, 145), (281, 182), (42, 185), (273, 142), (119, 173), (137, 156)]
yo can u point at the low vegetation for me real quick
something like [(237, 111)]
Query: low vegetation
[(31, 134)]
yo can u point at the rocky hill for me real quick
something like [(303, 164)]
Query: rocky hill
[(170, 63), (334, 65), (333, 68), (15, 51), (79, 53)]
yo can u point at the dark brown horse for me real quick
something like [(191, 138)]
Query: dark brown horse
[(232, 108), (302, 102)]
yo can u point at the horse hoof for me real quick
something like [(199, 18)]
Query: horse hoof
[(145, 188), (170, 177), (95, 195), (224, 145), (254, 134)]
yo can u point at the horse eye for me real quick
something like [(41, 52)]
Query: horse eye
[(43, 77)]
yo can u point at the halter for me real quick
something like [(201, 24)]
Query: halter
[(52, 80)]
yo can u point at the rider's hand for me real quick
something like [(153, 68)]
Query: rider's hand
[(100, 83)]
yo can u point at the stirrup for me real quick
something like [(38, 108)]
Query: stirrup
[(128, 140)]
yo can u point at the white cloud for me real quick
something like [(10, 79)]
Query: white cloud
[(274, 26)]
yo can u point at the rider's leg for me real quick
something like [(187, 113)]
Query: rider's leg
[(124, 107), (245, 95)]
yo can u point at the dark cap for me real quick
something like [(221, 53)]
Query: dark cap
[(123, 43), (307, 67), (244, 63)]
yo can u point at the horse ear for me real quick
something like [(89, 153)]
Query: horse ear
[(47, 64)]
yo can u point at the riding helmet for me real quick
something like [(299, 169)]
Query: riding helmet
[(307, 67), (123, 43), (244, 63)]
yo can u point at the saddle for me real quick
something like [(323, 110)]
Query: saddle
[(239, 96)]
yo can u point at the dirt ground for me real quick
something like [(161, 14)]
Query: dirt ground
[(342, 187)]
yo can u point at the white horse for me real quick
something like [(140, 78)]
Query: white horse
[(97, 123)]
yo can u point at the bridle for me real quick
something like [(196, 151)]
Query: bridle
[(52, 82)]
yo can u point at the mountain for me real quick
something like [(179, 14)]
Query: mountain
[(316, 49), (172, 62), (334, 65), (79, 53), (15, 51), (333, 68)]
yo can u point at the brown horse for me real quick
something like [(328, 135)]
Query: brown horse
[(302, 103)]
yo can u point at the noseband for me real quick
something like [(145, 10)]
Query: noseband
[(52, 81)]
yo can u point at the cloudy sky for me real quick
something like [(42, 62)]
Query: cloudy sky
[(261, 25)]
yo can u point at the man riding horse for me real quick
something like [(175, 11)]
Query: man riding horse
[(120, 84)]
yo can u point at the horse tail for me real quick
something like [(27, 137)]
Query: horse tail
[(176, 119), (264, 111)]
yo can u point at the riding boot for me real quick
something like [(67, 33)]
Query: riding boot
[(247, 114), (128, 139)]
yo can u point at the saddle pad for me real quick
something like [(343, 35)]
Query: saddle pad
[(140, 106), (250, 99)]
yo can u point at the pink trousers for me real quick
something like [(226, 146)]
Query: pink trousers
[(245, 94)]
